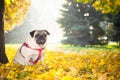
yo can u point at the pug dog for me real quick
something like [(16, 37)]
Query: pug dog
[(31, 51)]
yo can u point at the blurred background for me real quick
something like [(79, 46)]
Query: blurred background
[(68, 21), (42, 15)]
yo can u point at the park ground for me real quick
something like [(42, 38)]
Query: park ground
[(65, 62)]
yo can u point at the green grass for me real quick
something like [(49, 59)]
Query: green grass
[(110, 46)]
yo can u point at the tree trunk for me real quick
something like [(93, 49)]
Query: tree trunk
[(3, 57)]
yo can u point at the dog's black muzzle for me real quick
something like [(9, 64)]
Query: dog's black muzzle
[(41, 39)]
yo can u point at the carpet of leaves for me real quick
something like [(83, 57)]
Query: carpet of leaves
[(89, 64)]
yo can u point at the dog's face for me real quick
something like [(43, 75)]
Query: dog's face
[(40, 36)]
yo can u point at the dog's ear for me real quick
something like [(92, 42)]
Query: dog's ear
[(32, 33), (47, 32)]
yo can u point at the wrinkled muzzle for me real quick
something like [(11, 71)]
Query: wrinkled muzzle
[(40, 40)]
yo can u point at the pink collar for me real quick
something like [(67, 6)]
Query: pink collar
[(39, 55)]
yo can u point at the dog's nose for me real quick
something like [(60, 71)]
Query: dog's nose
[(41, 37), (40, 41)]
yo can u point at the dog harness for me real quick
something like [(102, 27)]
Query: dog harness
[(31, 60)]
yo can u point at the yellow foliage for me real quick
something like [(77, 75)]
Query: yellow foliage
[(107, 6), (90, 65), (15, 13), (7, 2)]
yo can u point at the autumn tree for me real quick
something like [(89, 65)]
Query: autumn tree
[(11, 14), (107, 6), (15, 13)]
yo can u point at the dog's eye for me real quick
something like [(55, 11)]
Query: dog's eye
[(44, 35)]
